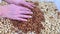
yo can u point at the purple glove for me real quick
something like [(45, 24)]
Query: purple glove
[(23, 2), (15, 12)]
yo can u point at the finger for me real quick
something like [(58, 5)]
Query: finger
[(21, 19), (27, 4), (24, 9), (26, 12), (24, 16)]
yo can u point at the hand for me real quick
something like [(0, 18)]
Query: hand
[(15, 12), (19, 2)]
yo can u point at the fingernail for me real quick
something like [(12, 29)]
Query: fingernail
[(31, 12), (30, 16), (25, 20)]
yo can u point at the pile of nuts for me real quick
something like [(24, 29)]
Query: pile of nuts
[(33, 24)]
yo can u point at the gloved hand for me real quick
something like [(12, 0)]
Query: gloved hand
[(15, 12), (19, 2)]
